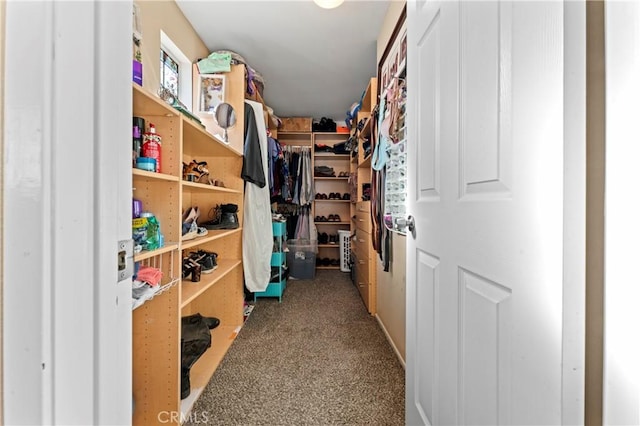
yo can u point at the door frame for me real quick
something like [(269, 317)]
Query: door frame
[(66, 202)]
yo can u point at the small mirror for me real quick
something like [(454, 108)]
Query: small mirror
[(225, 117)]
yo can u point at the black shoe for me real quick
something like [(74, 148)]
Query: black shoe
[(225, 217), (211, 322), (207, 259)]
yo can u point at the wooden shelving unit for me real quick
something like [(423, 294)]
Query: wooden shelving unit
[(361, 246), (326, 185), (156, 324)]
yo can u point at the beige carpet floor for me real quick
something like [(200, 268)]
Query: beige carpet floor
[(317, 358)]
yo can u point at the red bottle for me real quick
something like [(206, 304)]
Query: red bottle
[(152, 145)]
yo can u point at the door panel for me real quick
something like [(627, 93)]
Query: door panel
[(485, 178), (485, 98), (427, 270), (428, 52), (485, 311)]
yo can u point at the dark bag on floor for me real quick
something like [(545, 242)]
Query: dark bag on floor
[(196, 339)]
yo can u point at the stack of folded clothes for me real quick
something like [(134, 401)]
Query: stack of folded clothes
[(323, 171), (321, 147)]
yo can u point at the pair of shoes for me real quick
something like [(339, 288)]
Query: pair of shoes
[(325, 261), (323, 238), (321, 196), (197, 171), (321, 219), (346, 196), (334, 196), (191, 268), (343, 174), (334, 218), (333, 239), (207, 260), (190, 228), (223, 216)]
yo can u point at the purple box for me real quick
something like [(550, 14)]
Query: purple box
[(137, 72)]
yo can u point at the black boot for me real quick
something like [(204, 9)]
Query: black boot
[(226, 218)]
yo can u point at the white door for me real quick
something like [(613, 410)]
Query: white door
[(66, 204), (621, 399), (485, 326)]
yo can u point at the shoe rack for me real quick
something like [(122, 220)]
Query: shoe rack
[(361, 245), (156, 324), (330, 207)]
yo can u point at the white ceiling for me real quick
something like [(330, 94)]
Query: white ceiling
[(315, 62)]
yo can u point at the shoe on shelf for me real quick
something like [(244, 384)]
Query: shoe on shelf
[(323, 238), (188, 265), (211, 322), (190, 228), (331, 218), (223, 216), (335, 262), (346, 196), (206, 259), (336, 218)]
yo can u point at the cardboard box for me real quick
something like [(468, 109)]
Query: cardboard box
[(296, 124)]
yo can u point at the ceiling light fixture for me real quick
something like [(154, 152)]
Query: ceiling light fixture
[(328, 4)]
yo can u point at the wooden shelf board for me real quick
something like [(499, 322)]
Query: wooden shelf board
[(191, 290), (329, 134), (331, 178), (328, 267), (200, 143), (212, 235), (332, 223), (146, 103), (366, 162), (221, 339), (202, 187), (294, 133), (147, 254), (330, 155), (329, 245), (153, 175)]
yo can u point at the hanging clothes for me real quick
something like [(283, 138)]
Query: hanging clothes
[(306, 188), (257, 235), (380, 155)]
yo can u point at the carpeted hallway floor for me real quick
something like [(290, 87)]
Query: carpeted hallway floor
[(317, 358)]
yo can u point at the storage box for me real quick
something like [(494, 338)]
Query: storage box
[(296, 124), (301, 259)]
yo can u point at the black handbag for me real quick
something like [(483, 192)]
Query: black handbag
[(196, 339)]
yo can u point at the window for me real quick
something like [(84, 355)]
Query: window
[(169, 73), (175, 71)]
